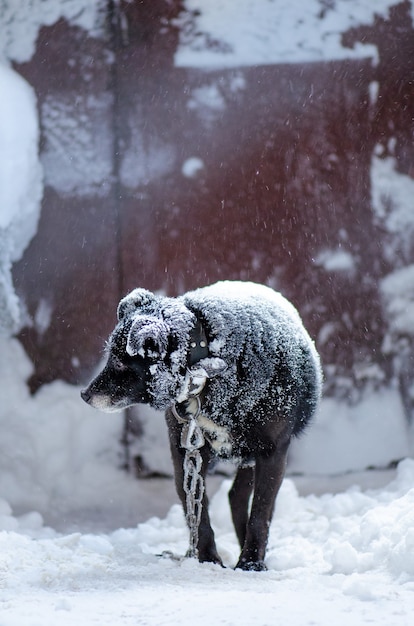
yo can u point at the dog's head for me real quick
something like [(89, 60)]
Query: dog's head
[(146, 354)]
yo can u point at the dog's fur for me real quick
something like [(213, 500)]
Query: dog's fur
[(262, 384)]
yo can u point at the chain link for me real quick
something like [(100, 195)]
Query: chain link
[(192, 440)]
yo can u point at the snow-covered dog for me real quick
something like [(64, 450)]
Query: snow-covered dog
[(235, 355)]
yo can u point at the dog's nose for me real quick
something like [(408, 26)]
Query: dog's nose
[(85, 395)]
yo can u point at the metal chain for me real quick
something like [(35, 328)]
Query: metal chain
[(192, 440)]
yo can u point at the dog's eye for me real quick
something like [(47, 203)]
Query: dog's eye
[(118, 365)]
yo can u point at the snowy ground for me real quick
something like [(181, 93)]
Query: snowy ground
[(338, 554), (334, 558)]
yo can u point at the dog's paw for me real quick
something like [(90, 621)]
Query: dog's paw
[(210, 557), (251, 566)]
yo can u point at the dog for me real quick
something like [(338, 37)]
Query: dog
[(239, 351)]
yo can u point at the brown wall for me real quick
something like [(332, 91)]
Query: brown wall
[(286, 175)]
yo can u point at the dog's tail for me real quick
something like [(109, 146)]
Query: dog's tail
[(311, 388)]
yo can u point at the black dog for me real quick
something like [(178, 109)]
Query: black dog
[(240, 353)]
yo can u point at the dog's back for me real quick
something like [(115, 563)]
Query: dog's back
[(273, 367)]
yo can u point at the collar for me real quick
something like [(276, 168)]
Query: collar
[(198, 344), (190, 408)]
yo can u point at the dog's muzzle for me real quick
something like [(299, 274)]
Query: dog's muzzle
[(86, 395)]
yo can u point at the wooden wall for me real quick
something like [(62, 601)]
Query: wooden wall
[(285, 156)]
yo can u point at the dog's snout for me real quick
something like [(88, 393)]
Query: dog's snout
[(86, 395)]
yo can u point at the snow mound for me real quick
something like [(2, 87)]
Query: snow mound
[(346, 436), (20, 184), (55, 453), (326, 555)]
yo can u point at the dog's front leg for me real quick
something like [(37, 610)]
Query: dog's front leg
[(269, 475), (206, 546), (239, 496)]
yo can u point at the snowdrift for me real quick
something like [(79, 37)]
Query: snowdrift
[(334, 558)]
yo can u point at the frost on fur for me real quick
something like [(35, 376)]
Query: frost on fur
[(259, 330), (148, 336)]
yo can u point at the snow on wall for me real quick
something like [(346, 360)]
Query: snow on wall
[(146, 159), (393, 205), (20, 184), (84, 169), (272, 31), (336, 261), (78, 153), (20, 21), (398, 293)]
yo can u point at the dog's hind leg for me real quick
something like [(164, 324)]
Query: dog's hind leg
[(239, 496), (269, 473)]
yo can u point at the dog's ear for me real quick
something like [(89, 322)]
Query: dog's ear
[(136, 299), (148, 337)]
